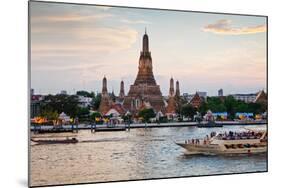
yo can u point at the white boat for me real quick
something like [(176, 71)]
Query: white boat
[(247, 142)]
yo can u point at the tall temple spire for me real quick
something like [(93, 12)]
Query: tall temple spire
[(145, 42), (122, 90), (145, 73), (104, 86), (177, 88), (106, 102), (171, 92), (145, 87)]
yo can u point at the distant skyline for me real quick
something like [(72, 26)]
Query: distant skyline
[(74, 46)]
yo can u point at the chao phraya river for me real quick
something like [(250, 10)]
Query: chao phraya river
[(128, 155)]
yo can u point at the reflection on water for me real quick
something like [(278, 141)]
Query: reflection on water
[(137, 154)]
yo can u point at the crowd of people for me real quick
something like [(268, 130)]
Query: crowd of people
[(230, 135), (239, 135)]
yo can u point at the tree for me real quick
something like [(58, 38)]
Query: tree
[(203, 108), (83, 113), (61, 103), (146, 114), (215, 104), (50, 115), (83, 93), (96, 101), (230, 104), (188, 110), (95, 114)]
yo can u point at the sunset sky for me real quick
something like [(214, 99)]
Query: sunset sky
[(74, 46)]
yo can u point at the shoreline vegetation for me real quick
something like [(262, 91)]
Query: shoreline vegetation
[(59, 109)]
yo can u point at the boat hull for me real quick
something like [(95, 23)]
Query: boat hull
[(218, 150)]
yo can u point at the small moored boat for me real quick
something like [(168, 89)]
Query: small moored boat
[(64, 141)]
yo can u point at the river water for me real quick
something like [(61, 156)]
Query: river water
[(128, 155)]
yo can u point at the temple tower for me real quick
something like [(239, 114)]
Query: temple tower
[(177, 89), (104, 86), (144, 90), (105, 103), (122, 90), (171, 108), (171, 91)]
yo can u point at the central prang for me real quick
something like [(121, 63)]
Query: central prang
[(144, 93)]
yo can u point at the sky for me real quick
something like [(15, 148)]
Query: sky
[(74, 46)]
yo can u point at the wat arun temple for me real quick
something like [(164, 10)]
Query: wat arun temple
[(144, 93)]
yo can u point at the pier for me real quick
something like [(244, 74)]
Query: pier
[(124, 127)]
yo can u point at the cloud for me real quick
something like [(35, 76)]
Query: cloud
[(69, 18), (224, 27), (135, 21), (82, 41)]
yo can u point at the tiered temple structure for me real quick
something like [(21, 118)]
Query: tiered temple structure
[(106, 102), (174, 100), (144, 91), (177, 89), (122, 90), (171, 108)]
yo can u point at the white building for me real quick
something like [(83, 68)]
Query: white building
[(84, 101), (248, 98)]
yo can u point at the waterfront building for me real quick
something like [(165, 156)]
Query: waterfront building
[(189, 97), (248, 98), (144, 91), (34, 109), (196, 101), (261, 97), (84, 102), (116, 110), (202, 94), (35, 104), (220, 92)]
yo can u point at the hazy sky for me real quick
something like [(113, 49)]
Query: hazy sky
[(74, 46)]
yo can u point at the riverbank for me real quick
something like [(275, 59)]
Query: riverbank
[(148, 125)]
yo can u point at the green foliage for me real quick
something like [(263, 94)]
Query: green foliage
[(188, 110), (49, 114), (61, 103), (96, 101), (95, 115), (203, 108), (86, 94), (228, 104), (215, 104), (83, 113), (146, 114)]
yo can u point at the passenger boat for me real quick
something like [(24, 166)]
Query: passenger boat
[(247, 142), (64, 141)]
